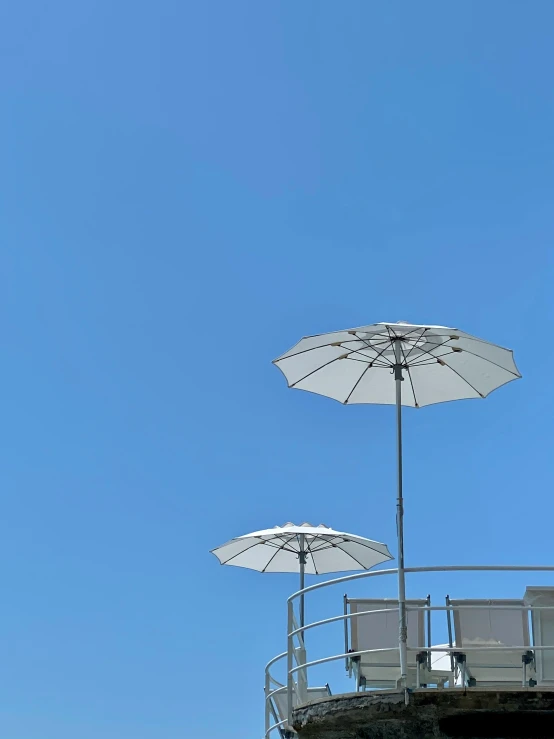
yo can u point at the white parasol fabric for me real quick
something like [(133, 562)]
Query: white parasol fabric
[(440, 364), (278, 550)]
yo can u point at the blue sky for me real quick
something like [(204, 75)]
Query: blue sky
[(187, 188)]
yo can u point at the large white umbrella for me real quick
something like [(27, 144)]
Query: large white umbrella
[(368, 365), (305, 549)]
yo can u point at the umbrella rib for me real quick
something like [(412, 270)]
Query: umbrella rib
[(402, 335), (414, 344), (340, 544), (412, 384), (353, 557), (270, 560), (372, 549), (360, 543), (327, 543), (372, 363), (313, 561), (426, 351), (314, 371), (383, 350), (367, 345), (283, 546), (242, 552), (416, 328), (303, 351), (365, 342), (360, 352), (394, 335), (479, 356), (262, 542), (408, 371), (286, 542), (449, 336), (310, 553), (392, 339), (381, 335), (356, 384), (428, 361), (391, 342), (464, 380), (469, 337), (430, 351)]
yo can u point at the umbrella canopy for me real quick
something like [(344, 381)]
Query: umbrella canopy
[(324, 550), (440, 364)]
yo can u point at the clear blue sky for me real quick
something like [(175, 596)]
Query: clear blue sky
[(186, 189)]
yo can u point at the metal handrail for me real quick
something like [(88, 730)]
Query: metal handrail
[(417, 649), (408, 570), (280, 689), (268, 693), (275, 726), (344, 617), (299, 631), (275, 659)]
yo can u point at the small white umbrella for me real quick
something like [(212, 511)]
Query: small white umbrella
[(368, 365), (305, 549)]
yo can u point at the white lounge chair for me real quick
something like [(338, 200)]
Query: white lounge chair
[(442, 668), (278, 703), (542, 621), (380, 631), (494, 624)]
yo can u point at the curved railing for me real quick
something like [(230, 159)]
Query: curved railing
[(272, 688), (296, 674)]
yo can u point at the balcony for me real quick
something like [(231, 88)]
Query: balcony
[(477, 667)]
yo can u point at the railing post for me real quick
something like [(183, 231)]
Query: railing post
[(302, 675), (267, 690), (290, 650), (346, 644)]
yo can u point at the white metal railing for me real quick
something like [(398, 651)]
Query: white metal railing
[(272, 687), (297, 666)]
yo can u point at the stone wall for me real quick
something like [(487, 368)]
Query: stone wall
[(472, 713)]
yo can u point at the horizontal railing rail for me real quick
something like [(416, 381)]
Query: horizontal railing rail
[(412, 570), (275, 726), (454, 650), (344, 617)]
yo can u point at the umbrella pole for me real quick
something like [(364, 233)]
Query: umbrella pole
[(302, 560), (402, 620), (301, 657)]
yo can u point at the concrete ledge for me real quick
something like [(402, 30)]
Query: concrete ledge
[(472, 713)]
